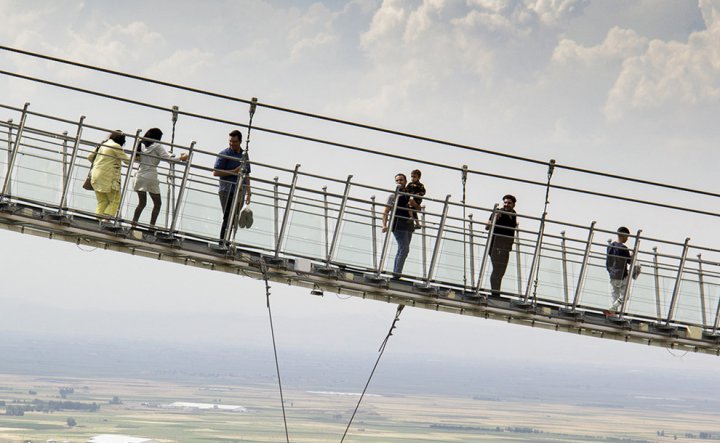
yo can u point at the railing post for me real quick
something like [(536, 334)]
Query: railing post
[(126, 183), (717, 318), (237, 195), (633, 263), (341, 214), (373, 221), (327, 228), (386, 240), (64, 160), (656, 271), (471, 235), (276, 209), (583, 267), (73, 159), (563, 251), (438, 241), (483, 260), (535, 263), (518, 265), (678, 281), (701, 282), (423, 243), (286, 215), (13, 155), (9, 149), (183, 188), (171, 176)]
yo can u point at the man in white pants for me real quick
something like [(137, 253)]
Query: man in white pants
[(617, 262)]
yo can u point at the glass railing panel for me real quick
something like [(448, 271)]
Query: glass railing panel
[(79, 199), (452, 263), (201, 214), (305, 233), (5, 148), (596, 290), (550, 275), (479, 252), (688, 302), (712, 291), (354, 246), (38, 172), (666, 289), (262, 232), (643, 300)]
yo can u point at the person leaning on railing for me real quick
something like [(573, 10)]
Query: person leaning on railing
[(501, 243), (149, 154), (106, 172)]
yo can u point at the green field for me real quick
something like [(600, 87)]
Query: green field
[(320, 417)]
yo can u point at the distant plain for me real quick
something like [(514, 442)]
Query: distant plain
[(411, 399)]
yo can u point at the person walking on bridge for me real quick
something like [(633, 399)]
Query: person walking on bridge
[(501, 243), (229, 166), (402, 224), (617, 261), (106, 172)]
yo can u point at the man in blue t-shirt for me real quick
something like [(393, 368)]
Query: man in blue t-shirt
[(617, 261), (228, 166)]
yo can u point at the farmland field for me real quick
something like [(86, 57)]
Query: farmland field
[(321, 416), (128, 388)]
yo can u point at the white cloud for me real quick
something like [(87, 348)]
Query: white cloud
[(113, 45), (618, 45), (182, 65), (670, 73)]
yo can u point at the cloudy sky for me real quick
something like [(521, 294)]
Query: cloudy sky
[(628, 87)]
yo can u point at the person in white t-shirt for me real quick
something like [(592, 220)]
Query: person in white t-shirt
[(149, 153)]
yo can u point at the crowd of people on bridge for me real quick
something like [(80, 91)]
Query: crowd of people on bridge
[(400, 215)]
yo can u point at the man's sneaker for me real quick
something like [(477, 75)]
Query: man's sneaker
[(609, 313)]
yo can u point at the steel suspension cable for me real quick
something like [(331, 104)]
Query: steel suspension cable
[(355, 124), (381, 352), (265, 105), (277, 365), (367, 150)]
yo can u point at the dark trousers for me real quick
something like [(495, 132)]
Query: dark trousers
[(499, 256), (226, 203), (403, 238)]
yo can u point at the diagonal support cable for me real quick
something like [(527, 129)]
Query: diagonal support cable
[(381, 351), (277, 365)]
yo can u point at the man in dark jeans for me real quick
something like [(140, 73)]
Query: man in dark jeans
[(503, 237), (228, 167), (402, 225)]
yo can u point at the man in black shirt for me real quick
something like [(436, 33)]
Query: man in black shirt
[(503, 237)]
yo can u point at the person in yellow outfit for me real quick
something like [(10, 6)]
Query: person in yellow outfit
[(106, 172)]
